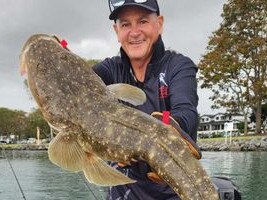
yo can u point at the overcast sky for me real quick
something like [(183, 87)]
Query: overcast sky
[(85, 25)]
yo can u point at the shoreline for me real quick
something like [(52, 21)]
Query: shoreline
[(249, 143), (22, 147), (245, 143)]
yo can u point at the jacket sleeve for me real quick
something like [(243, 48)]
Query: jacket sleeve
[(183, 94), (104, 71)]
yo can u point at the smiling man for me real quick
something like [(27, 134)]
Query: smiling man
[(137, 31), (167, 78)]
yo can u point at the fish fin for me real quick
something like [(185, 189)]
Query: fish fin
[(99, 172), (65, 151), (128, 93)]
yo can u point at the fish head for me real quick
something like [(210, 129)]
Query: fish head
[(31, 50), (48, 65)]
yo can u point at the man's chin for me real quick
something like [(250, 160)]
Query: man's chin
[(136, 55)]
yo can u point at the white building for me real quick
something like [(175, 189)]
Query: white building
[(219, 124)]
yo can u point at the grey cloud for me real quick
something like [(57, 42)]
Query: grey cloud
[(188, 23)]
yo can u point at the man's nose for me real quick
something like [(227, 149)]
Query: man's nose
[(135, 31)]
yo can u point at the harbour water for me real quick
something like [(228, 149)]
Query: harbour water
[(40, 179)]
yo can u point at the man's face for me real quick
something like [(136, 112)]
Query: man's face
[(137, 30)]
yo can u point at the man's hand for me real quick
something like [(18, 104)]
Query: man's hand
[(186, 137), (155, 177), (191, 144), (120, 164), (176, 127), (125, 164)]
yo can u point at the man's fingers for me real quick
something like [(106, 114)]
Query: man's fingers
[(120, 164), (154, 177)]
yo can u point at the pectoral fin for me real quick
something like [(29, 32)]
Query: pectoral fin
[(128, 93), (98, 172), (65, 152)]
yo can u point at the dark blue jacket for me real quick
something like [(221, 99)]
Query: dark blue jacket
[(170, 85)]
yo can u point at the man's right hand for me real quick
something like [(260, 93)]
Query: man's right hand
[(195, 150)]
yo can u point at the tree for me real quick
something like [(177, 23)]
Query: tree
[(263, 117), (235, 64), (35, 119), (22, 124), (92, 62), (12, 121)]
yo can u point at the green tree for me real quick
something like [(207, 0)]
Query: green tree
[(234, 66), (12, 121), (92, 62), (35, 119), (22, 124)]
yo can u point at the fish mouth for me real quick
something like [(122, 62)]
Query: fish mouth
[(22, 63)]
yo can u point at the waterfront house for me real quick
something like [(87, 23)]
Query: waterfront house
[(220, 124)]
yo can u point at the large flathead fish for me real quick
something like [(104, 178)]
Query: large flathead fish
[(94, 127)]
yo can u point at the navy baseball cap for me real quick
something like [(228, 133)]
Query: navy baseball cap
[(116, 5)]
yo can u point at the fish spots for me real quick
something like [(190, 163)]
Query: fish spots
[(168, 163), (199, 181), (145, 136), (118, 139), (181, 152), (152, 153), (105, 143), (154, 126), (172, 137), (66, 137), (206, 178), (109, 130), (187, 186), (206, 193), (115, 154), (139, 143)]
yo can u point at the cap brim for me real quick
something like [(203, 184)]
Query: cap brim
[(115, 12)]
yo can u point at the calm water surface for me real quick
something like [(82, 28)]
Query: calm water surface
[(41, 180)]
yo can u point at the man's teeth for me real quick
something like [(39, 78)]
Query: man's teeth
[(136, 42)]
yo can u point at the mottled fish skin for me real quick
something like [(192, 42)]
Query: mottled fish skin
[(74, 100)]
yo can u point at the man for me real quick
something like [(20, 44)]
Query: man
[(167, 78)]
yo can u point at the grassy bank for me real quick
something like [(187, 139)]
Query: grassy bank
[(249, 137)]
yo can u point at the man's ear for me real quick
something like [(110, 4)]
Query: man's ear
[(160, 23), (116, 30)]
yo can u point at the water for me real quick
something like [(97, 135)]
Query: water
[(40, 179), (248, 170)]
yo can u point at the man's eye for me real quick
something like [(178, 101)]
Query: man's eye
[(125, 25), (143, 21)]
